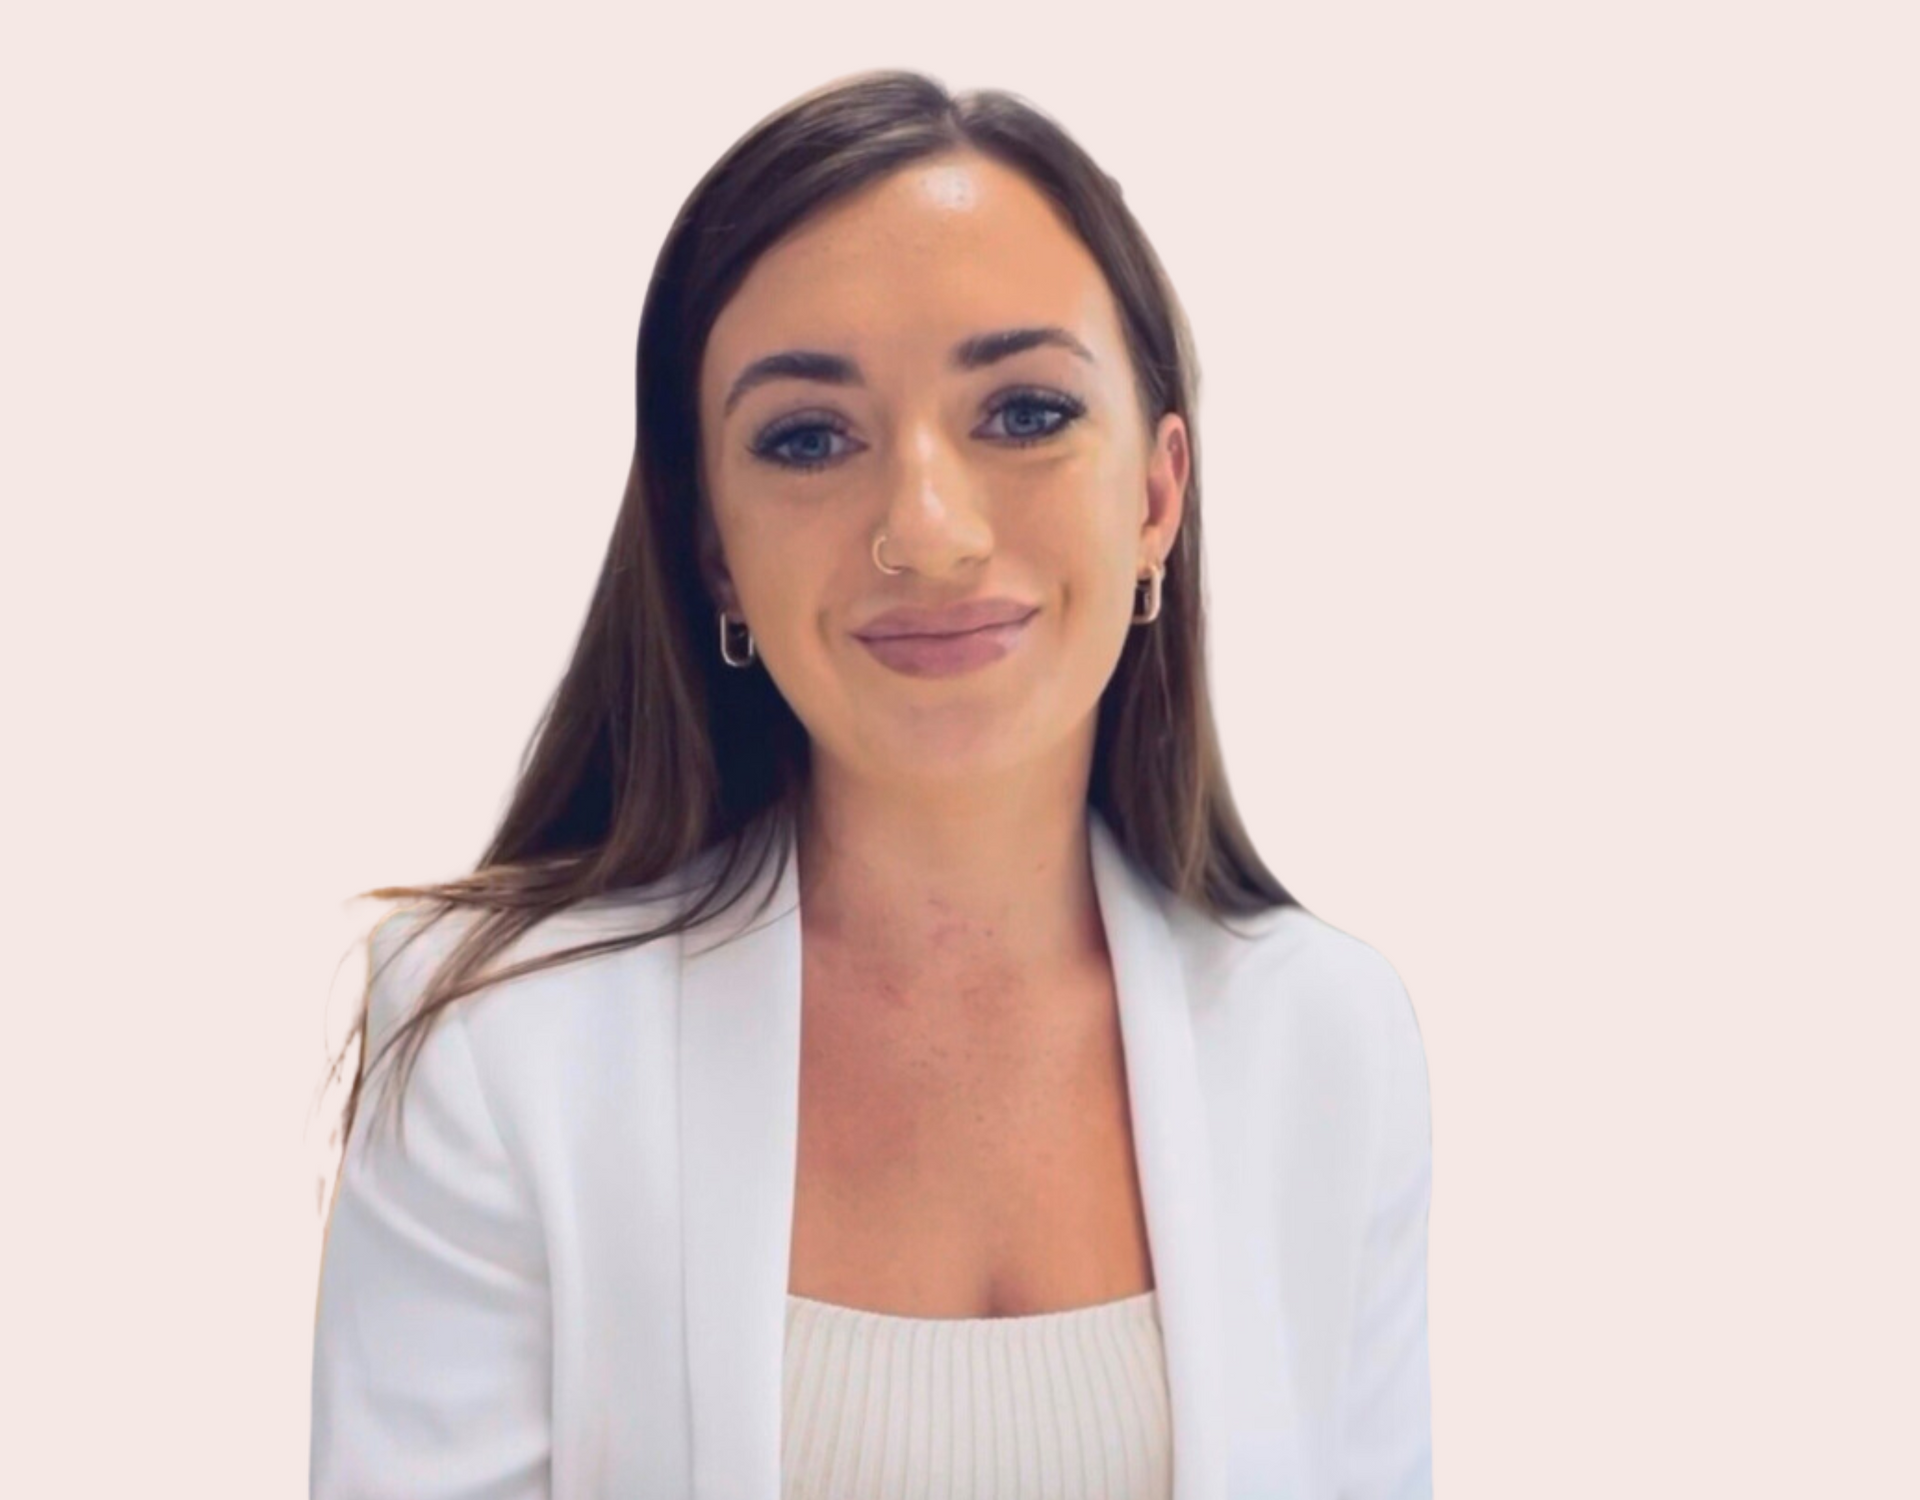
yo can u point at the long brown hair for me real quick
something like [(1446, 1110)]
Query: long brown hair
[(651, 751)]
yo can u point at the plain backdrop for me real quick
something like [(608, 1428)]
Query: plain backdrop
[(1560, 375)]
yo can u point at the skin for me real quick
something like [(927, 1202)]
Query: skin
[(943, 854)]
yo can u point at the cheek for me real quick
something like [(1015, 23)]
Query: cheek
[(1093, 559), (1106, 610), (785, 580), (782, 608)]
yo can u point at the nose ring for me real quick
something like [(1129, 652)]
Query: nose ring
[(878, 561)]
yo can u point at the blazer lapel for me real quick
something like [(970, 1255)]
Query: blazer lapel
[(739, 1117), (1172, 1155), (739, 1122)]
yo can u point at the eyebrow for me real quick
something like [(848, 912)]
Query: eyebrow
[(973, 353)]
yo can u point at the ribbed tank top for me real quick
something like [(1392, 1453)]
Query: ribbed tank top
[(1058, 1405)]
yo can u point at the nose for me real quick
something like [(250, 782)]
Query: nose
[(936, 518)]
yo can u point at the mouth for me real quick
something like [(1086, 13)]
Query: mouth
[(949, 635), (952, 619), (948, 653)]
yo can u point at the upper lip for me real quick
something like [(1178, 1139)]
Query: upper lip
[(953, 619)]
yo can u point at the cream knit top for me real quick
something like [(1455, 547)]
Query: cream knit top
[(1065, 1405)]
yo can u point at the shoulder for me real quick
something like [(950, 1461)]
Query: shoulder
[(566, 958), (574, 1035), (1290, 958), (1289, 978)]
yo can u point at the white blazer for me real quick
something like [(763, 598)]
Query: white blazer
[(572, 1283)]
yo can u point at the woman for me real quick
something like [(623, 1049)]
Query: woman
[(871, 1058)]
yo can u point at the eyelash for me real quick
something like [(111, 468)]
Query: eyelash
[(1069, 408)]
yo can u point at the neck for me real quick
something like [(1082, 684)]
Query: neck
[(997, 880)]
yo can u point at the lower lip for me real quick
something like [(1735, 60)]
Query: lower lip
[(946, 655)]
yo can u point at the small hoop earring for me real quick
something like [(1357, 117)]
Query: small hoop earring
[(1151, 611), (726, 651), (878, 538)]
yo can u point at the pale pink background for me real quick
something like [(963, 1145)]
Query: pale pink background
[(1561, 461)]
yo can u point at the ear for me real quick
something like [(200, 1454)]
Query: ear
[(1168, 465), (712, 560)]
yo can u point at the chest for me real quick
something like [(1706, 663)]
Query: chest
[(965, 1161)]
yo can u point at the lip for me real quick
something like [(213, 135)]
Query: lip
[(949, 654), (953, 619)]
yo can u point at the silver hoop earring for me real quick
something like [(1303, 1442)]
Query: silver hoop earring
[(1147, 614), (726, 651), (878, 561)]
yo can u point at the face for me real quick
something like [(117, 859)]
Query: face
[(1016, 471)]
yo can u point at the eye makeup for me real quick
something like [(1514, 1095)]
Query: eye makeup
[(770, 445)]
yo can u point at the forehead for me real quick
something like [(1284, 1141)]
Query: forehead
[(944, 248)]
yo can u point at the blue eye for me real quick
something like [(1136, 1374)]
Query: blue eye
[(1066, 409), (770, 443), (806, 443)]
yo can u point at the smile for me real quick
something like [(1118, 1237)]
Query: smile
[(947, 655)]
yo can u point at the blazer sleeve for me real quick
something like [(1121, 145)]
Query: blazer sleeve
[(432, 1337), (1386, 1425)]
